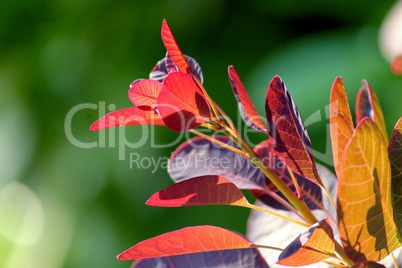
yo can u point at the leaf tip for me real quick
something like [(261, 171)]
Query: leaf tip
[(95, 126)]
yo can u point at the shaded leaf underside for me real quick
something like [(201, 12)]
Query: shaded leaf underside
[(249, 257), (395, 157), (368, 105), (199, 157), (311, 192), (205, 190)]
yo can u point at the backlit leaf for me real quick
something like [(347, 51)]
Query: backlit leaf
[(367, 104), (247, 109), (267, 229), (199, 157), (311, 192), (285, 127), (184, 241), (312, 246), (240, 258), (205, 190), (365, 214), (127, 117), (144, 92), (181, 104), (395, 158), (173, 49), (341, 123)]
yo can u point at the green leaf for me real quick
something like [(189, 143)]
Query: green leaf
[(365, 214)]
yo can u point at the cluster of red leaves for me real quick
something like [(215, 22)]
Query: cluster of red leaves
[(171, 97), (281, 172)]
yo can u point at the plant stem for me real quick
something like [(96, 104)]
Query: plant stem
[(342, 255), (210, 101), (277, 215), (299, 204), (267, 247), (224, 145)]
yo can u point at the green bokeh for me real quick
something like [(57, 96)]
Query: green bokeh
[(65, 206)]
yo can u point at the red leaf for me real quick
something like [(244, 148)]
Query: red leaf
[(173, 49), (205, 190), (311, 192), (127, 117), (312, 246), (181, 103), (395, 158), (144, 92), (246, 106), (341, 123), (368, 105), (184, 241), (292, 143)]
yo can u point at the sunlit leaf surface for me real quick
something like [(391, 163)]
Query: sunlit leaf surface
[(127, 117), (312, 246), (341, 123), (173, 49), (365, 213), (247, 109), (184, 241), (266, 229), (181, 103), (285, 127), (144, 92)]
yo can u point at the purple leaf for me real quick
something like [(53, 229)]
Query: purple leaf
[(249, 257), (165, 65), (199, 157)]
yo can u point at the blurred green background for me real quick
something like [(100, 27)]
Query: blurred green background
[(62, 205)]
